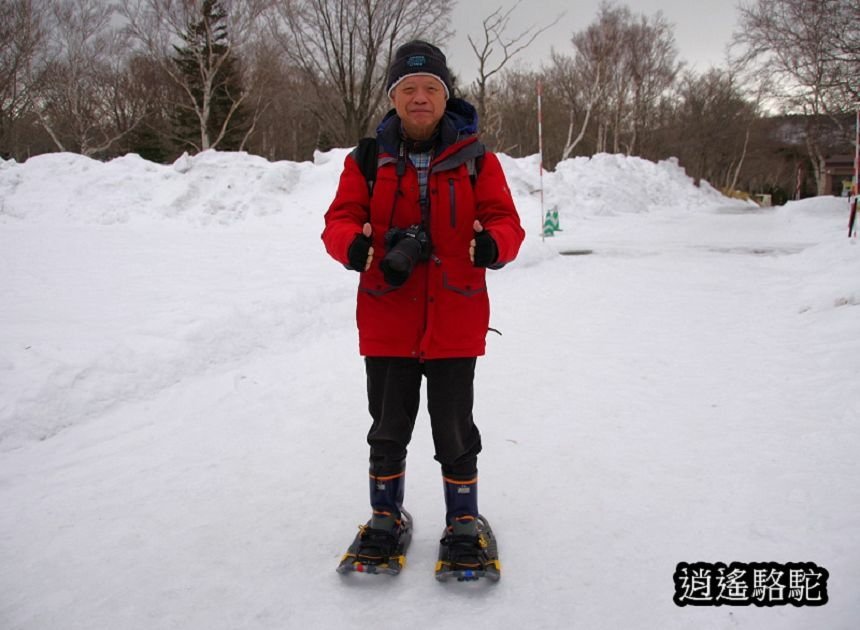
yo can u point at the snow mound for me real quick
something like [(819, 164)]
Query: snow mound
[(211, 187), (820, 206), (221, 187), (607, 185)]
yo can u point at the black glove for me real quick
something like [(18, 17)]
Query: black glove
[(358, 252), (486, 251)]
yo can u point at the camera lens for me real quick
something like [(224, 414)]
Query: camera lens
[(399, 262)]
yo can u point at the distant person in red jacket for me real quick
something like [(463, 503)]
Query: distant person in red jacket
[(422, 233)]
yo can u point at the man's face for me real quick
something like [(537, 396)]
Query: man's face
[(420, 103)]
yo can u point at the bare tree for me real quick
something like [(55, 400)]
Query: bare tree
[(286, 128), (810, 52), (599, 59), (22, 33), (80, 79), (630, 64), (149, 85), (579, 92), (514, 104), (712, 125), (845, 53), (651, 68), (494, 49), (160, 27), (343, 48)]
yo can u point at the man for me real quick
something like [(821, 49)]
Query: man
[(422, 233)]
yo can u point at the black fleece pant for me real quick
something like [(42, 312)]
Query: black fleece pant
[(393, 393)]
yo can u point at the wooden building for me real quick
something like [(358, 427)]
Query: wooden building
[(837, 173)]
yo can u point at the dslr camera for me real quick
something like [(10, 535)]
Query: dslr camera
[(405, 248)]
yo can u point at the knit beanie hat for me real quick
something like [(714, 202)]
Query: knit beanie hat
[(417, 57)]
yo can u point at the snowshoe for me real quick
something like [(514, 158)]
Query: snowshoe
[(378, 550), (469, 557)]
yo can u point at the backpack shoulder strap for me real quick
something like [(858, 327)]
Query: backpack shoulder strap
[(366, 155), (471, 156), (475, 161), (473, 165)]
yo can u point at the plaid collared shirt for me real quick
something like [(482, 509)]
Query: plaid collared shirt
[(421, 161)]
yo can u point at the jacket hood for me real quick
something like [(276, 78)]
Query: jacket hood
[(462, 116), (459, 121)]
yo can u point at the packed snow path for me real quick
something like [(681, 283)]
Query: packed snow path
[(184, 417)]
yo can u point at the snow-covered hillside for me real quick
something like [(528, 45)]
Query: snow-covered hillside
[(182, 412)]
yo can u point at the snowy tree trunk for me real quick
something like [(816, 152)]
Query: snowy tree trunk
[(741, 161)]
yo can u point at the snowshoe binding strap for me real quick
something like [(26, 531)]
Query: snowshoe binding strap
[(465, 552), (376, 545)]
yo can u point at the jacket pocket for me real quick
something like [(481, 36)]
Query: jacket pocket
[(373, 283), (468, 285)]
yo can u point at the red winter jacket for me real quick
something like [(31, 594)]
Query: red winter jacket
[(442, 310)]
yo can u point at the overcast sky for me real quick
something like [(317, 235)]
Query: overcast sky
[(702, 28)]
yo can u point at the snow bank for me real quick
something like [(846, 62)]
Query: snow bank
[(222, 188), (828, 263), (615, 184), (210, 187)]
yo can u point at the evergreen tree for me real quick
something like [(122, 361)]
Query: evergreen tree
[(212, 113)]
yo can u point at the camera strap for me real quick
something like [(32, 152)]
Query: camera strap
[(401, 171)]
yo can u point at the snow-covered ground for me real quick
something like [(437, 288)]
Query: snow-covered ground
[(182, 410)]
